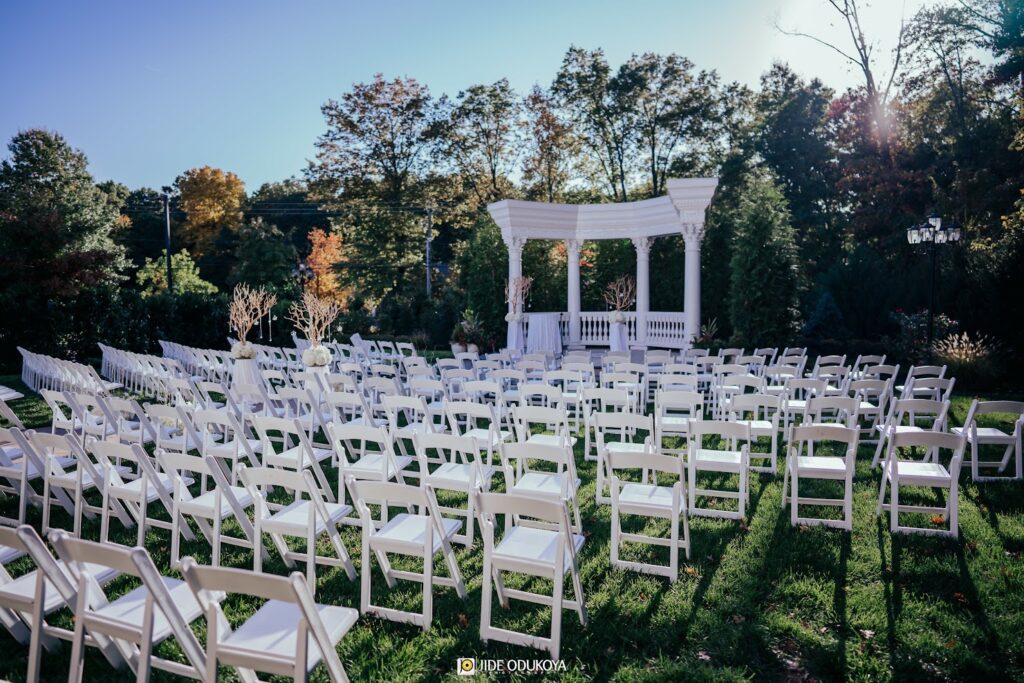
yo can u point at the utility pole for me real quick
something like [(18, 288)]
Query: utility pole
[(167, 239), (430, 238)]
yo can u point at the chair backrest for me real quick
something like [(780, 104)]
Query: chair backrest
[(644, 461), (553, 418), (838, 409), (539, 394), (687, 403), (9, 416), (901, 408), (758, 406), (523, 456), (700, 429), (621, 423), (463, 415), (434, 448), (929, 440), (806, 435)]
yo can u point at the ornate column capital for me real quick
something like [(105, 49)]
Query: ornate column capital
[(642, 245), (693, 232), (573, 246), (514, 244)]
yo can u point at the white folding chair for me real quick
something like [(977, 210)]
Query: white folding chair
[(137, 621), (211, 507), (646, 497), (905, 415), (307, 516), (616, 432), (423, 535), (555, 480), (292, 449), (898, 473), (600, 400), (817, 466), (288, 635), (673, 412), (452, 463), (763, 414), (131, 487), (729, 457), (978, 436), (478, 422), (549, 553)]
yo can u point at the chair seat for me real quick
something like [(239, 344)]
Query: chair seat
[(534, 545), (228, 449), (911, 471), (372, 465), (759, 427), (821, 463), (544, 483), (9, 554), (986, 435), (411, 530), (293, 456), (273, 632), (293, 519), (550, 439), (646, 495), (487, 437), (673, 422), (796, 405), (719, 461), (130, 608), (458, 475), (203, 506), (134, 487), (70, 479), (624, 447), (899, 429), (21, 592)]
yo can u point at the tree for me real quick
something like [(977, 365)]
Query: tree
[(602, 107), (263, 256), (674, 108), (485, 136), (384, 131), (289, 207), (324, 255), (794, 141), (143, 234), (152, 277), (764, 268), (56, 236), (212, 200), (550, 147), (877, 88)]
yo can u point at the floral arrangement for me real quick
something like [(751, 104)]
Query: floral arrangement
[(619, 295), (313, 316), (247, 306), (316, 356), (516, 291)]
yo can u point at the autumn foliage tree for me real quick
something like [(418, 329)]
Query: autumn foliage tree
[(212, 200), (324, 255)]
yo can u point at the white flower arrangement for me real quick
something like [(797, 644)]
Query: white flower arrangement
[(617, 317), (243, 351), (514, 317), (316, 356)]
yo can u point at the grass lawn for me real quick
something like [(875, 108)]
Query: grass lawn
[(757, 600)]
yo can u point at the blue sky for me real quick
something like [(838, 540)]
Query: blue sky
[(148, 90)]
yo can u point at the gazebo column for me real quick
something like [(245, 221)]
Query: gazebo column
[(643, 286), (693, 233), (515, 262), (572, 248)]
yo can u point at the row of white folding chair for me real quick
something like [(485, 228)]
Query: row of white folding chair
[(40, 371), (142, 373)]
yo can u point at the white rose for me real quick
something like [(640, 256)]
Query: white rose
[(316, 356), (617, 317), (513, 317), (243, 350)]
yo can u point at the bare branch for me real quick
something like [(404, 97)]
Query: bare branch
[(621, 293), (313, 316), (800, 34)]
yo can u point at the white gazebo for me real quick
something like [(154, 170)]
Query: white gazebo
[(681, 211)]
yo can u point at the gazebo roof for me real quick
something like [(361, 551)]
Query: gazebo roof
[(685, 203)]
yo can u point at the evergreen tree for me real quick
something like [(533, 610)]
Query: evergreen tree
[(764, 269)]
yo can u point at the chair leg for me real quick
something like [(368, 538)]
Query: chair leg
[(794, 503), (428, 588), (556, 613), (77, 649)]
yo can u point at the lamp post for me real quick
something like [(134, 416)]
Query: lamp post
[(932, 233)]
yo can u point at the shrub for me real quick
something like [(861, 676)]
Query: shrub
[(911, 344), (972, 360)]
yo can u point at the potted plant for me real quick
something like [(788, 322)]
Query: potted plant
[(246, 308), (458, 338)]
